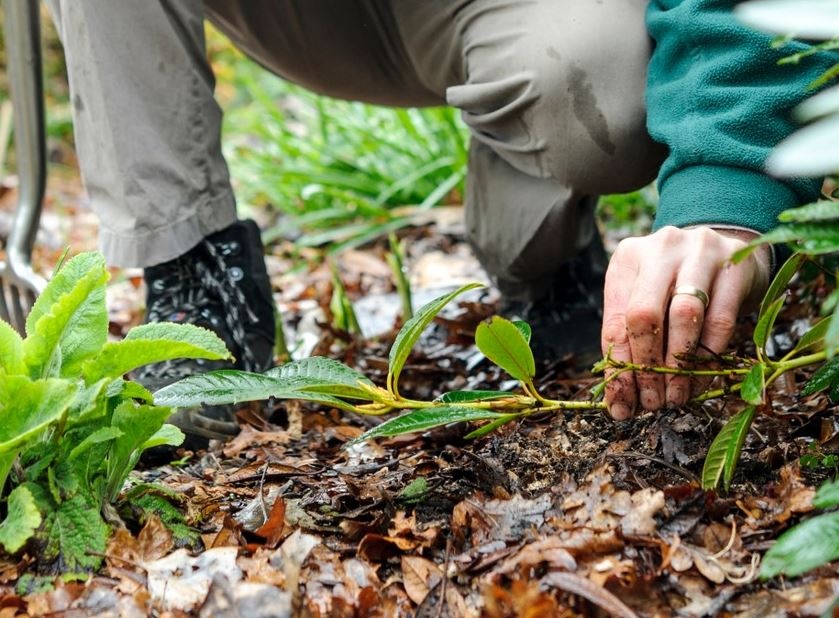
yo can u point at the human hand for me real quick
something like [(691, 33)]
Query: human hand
[(646, 324)]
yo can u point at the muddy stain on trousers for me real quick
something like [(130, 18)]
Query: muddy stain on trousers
[(552, 91)]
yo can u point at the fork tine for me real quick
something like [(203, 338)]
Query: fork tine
[(17, 307), (4, 307)]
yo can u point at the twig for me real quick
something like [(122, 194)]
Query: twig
[(442, 602), (687, 474)]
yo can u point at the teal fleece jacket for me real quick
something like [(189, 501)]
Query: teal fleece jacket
[(718, 99)]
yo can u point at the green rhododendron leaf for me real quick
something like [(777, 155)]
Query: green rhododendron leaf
[(825, 377), (724, 452), (230, 386), (322, 375), (11, 350), (753, 384), (506, 346), (455, 397), (819, 211), (411, 331), (22, 519), (69, 322), (765, 322), (154, 343), (813, 337), (810, 544), (420, 420)]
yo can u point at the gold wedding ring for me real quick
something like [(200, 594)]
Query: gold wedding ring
[(692, 290)]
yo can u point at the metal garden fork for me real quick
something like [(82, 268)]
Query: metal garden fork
[(19, 283)]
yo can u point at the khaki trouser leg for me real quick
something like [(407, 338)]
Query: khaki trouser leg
[(552, 91), (147, 126)]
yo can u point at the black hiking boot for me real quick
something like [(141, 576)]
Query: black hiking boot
[(567, 320), (220, 284)]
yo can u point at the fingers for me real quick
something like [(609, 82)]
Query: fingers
[(645, 325), (686, 322), (620, 277)]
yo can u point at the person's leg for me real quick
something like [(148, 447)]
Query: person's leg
[(148, 138), (553, 92), (146, 123)]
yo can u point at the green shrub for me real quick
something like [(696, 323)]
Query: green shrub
[(71, 427)]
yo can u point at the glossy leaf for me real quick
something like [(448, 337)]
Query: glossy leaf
[(780, 281), (831, 337), (428, 418), (455, 397), (724, 452), (753, 384), (323, 375), (814, 336), (820, 211), (825, 377), (503, 343), (810, 544), (230, 386), (411, 331), (765, 323)]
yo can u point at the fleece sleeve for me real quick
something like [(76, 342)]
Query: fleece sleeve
[(717, 97)]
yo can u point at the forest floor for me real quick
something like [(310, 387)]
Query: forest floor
[(562, 515)]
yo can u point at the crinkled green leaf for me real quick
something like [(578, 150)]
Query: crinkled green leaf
[(28, 407), (167, 435), (22, 519), (154, 343), (764, 325), (70, 323), (90, 401), (127, 389), (428, 418), (810, 544), (73, 535), (103, 434), (820, 211), (827, 496), (826, 376), (230, 386), (505, 345), (411, 331), (753, 384), (455, 397), (724, 452), (11, 350), (138, 423)]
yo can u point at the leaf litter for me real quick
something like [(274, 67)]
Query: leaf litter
[(561, 515)]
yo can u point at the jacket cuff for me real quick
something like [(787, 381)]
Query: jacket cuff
[(722, 196)]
